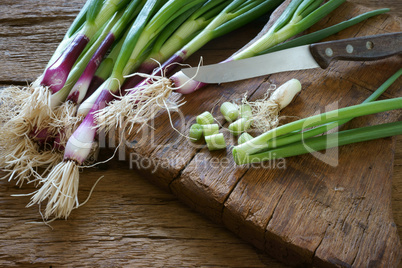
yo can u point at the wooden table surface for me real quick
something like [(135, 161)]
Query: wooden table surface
[(161, 231)]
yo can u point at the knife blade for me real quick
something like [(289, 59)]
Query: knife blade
[(317, 55)]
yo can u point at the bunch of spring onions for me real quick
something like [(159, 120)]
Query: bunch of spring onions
[(27, 137), (305, 135), (145, 100), (154, 31)]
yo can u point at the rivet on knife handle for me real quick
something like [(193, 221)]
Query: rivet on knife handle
[(357, 49)]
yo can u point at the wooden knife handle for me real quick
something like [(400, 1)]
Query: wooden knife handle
[(357, 49)]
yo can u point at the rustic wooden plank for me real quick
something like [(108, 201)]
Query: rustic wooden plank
[(127, 222), (29, 35), (300, 238), (138, 225), (273, 217)]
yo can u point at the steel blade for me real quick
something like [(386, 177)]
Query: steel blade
[(291, 59)]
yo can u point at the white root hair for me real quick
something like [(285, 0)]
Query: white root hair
[(60, 189), (265, 112), (11, 101), (24, 111), (140, 104), (24, 160)]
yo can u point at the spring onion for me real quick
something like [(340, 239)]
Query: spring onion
[(80, 88), (215, 142), (280, 141), (325, 142), (98, 13), (264, 113)]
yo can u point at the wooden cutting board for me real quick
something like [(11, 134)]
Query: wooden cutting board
[(327, 209), (326, 215)]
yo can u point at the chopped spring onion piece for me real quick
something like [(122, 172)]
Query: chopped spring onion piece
[(260, 143), (325, 142), (215, 142), (210, 129), (240, 125), (230, 111), (244, 137), (245, 111), (196, 132), (205, 118)]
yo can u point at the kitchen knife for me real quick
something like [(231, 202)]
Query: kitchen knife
[(317, 55)]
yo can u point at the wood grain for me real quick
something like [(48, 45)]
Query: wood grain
[(128, 221)]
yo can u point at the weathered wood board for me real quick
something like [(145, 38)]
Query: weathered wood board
[(343, 216), (326, 209)]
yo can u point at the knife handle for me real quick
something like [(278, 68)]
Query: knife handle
[(364, 48)]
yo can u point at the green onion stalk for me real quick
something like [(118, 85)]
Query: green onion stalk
[(143, 101), (300, 135), (105, 68), (74, 28), (60, 187), (168, 43), (257, 148), (325, 142)]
